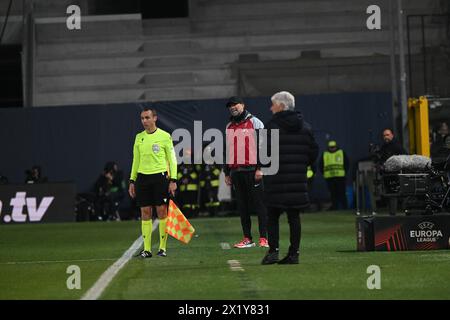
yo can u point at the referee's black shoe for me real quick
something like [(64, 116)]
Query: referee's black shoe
[(144, 254), (162, 253)]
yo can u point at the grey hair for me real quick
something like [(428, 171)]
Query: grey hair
[(285, 98)]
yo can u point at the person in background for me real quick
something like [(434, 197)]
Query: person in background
[(105, 207), (188, 192), (391, 146), (3, 179), (310, 174), (442, 154), (118, 188), (102, 188), (209, 183), (188, 181), (334, 166), (441, 133), (35, 175)]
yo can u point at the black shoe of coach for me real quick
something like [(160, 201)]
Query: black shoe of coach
[(291, 258), (270, 258)]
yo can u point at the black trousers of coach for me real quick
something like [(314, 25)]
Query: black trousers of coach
[(250, 199), (295, 228)]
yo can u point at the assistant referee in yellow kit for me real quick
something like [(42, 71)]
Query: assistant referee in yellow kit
[(150, 183)]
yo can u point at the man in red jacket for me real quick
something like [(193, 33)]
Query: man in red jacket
[(242, 170)]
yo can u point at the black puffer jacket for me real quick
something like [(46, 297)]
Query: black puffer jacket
[(298, 149)]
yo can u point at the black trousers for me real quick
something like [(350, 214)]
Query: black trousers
[(250, 199), (337, 186), (295, 229)]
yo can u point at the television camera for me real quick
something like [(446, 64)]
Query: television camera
[(422, 186)]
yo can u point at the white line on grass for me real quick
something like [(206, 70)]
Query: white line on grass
[(55, 261), (225, 245), (235, 265), (105, 279)]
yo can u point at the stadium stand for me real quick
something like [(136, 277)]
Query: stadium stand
[(222, 48)]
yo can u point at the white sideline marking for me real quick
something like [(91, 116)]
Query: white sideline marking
[(105, 279), (235, 265), (55, 261), (225, 245)]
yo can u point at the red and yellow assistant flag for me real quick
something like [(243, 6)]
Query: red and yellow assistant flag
[(177, 225)]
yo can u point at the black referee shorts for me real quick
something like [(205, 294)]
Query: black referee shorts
[(152, 189)]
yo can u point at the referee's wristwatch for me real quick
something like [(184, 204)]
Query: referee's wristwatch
[(173, 180), (131, 182)]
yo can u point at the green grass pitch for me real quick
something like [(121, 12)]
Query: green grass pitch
[(34, 261)]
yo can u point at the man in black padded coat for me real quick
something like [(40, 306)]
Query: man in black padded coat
[(287, 190)]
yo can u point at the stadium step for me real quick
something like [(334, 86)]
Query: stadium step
[(191, 93), (101, 47), (141, 61), (86, 66), (288, 22), (54, 29), (158, 27), (116, 95), (133, 79), (211, 44), (236, 8)]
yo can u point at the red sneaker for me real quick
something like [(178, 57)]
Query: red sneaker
[(245, 243), (263, 242)]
